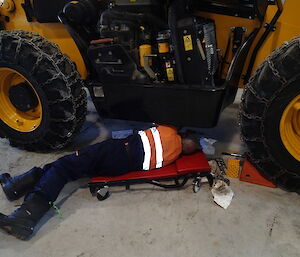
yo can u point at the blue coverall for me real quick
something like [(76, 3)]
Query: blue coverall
[(112, 157)]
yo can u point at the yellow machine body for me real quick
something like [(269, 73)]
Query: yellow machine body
[(287, 27)]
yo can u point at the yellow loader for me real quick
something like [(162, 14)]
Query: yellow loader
[(176, 62)]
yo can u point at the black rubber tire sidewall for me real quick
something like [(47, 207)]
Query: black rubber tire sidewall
[(269, 91), (42, 128), (272, 125), (56, 81)]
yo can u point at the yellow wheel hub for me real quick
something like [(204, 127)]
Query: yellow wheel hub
[(290, 128), (18, 120)]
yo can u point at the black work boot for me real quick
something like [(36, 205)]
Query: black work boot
[(18, 186), (22, 221)]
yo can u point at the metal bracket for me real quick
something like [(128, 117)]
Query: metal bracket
[(147, 67), (268, 26)]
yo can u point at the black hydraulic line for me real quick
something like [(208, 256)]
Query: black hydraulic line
[(225, 54), (237, 64), (236, 67), (79, 41), (279, 5), (269, 28)]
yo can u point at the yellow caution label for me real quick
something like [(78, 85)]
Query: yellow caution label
[(188, 43), (170, 74)]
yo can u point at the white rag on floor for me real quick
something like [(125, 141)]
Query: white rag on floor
[(222, 194)]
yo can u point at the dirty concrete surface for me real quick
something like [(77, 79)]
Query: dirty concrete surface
[(152, 222)]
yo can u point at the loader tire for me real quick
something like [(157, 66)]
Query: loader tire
[(42, 99), (270, 117)]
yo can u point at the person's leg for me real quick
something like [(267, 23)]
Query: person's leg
[(18, 186), (107, 158)]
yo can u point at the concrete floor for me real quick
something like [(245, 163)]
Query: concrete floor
[(151, 222)]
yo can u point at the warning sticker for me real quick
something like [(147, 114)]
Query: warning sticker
[(170, 74), (188, 43)]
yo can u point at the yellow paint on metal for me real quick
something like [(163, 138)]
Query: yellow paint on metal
[(233, 168), (12, 117), (54, 32), (188, 43), (290, 128), (287, 27), (8, 5)]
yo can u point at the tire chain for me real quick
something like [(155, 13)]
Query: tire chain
[(38, 42), (249, 88), (72, 80)]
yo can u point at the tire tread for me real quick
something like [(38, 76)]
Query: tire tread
[(60, 81)]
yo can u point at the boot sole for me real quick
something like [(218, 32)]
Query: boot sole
[(20, 232)]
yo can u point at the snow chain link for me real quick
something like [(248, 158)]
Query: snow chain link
[(38, 43), (249, 88)]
